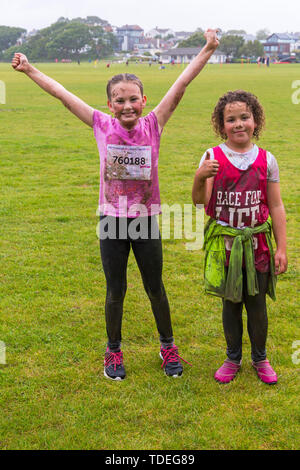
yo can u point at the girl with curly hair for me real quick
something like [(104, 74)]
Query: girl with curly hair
[(238, 183)]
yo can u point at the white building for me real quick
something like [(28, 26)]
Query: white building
[(182, 35), (184, 55), (295, 42), (128, 36), (148, 45), (163, 33), (246, 37)]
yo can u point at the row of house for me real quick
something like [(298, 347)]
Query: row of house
[(132, 38), (280, 45)]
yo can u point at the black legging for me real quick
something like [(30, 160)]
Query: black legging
[(148, 254), (257, 321)]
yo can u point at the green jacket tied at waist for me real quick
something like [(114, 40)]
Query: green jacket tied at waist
[(229, 284)]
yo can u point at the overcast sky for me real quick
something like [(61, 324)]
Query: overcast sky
[(187, 15)]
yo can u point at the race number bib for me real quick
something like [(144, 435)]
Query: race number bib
[(128, 163)]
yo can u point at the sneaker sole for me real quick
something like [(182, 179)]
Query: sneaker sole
[(175, 376), (115, 379)]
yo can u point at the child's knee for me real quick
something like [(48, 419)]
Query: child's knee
[(155, 292), (117, 294)]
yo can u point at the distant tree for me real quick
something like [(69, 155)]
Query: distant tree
[(62, 19), (231, 45), (252, 49), (66, 39), (70, 41), (195, 40), (102, 43), (36, 47), (262, 34), (91, 20), (8, 54), (96, 20), (9, 36)]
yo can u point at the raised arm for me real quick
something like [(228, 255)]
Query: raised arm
[(170, 101), (70, 101)]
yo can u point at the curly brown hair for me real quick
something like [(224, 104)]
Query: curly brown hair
[(252, 103)]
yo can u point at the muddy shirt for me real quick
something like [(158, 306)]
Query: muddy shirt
[(244, 160), (239, 199), (128, 166)]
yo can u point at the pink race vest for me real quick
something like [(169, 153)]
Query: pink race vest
[(239, 198)]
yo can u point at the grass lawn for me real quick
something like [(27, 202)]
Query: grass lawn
[(52, 391)]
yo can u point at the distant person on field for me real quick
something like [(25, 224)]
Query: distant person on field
[(129, 194), (238, 183)]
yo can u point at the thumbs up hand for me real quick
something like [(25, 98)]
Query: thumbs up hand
[(208, 168)]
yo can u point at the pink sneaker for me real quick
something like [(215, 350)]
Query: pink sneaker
[(227, 372), (265, 372)]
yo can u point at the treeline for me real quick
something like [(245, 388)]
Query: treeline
[(87, 38), (231, 44), (65, 39)]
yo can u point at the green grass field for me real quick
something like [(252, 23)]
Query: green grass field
[(52, 391)]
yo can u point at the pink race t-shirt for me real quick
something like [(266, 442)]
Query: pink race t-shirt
[(128, 166)]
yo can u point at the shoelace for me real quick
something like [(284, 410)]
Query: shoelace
[(115, 358), (171, 355)]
